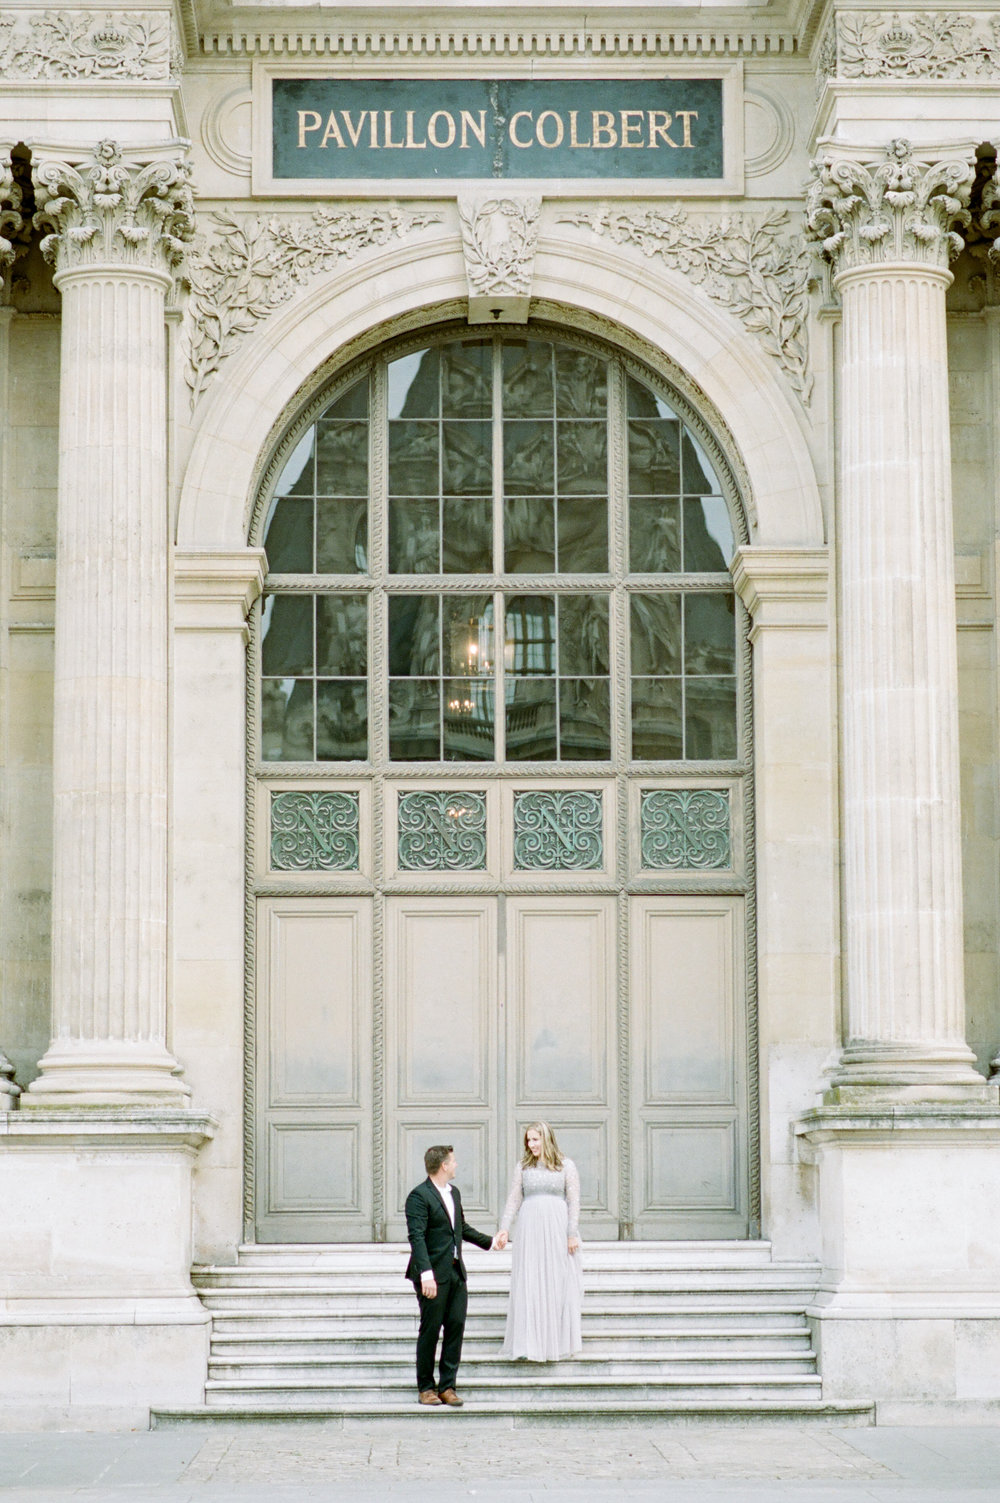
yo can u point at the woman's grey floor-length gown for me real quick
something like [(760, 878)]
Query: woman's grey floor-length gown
[(546, 1280)]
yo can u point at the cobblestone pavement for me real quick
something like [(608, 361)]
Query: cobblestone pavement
[(363, 1461)]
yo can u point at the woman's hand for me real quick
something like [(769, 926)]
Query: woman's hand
[(500, 1241), (574, 1244)]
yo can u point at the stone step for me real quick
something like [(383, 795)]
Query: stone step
[(478, 1368), (496, 1276), (362, 1344), (669, 1321), (316, 1391), (637, 1256), (334, 1298)]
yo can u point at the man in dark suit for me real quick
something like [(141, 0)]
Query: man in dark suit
[(436, 1229)]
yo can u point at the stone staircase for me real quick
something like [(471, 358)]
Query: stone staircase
[(670, 1329)]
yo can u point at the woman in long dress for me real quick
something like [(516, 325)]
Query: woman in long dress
[(546, 1280)]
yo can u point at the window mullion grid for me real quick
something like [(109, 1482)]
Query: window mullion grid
[(621, 685), (378, 627), (499, 598)]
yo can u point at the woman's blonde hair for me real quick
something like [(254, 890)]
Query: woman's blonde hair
[(550, 1157)]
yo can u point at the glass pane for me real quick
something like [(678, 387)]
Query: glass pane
[(656, 633), (413, 385), (529, 544), (297, 477), (645, 403), (528, 459), (342, 536), (699, 479), (342, 635), (467, 632), (341, 721), (467, 380), (468, 459), (583, 634), (527, 379), (654, 535), (584, 719), (415, 720), (289, 536), (654, 460), (287, 632), (656, 719), (467, 536), (468, 720), (531, 720), (710, 633), (530, 634), (711, 718), (413, 635), (581, 384), (708, 536), (341, 459), (413, 459), (583, 459), (413, 537), (583, 536), (286, 733), (352, 404)]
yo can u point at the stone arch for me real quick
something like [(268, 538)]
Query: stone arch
[(613, 292)]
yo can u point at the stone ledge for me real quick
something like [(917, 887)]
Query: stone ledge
[(112, 1127), (941, 1121)]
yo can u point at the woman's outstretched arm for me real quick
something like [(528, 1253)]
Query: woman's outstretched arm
[(514, 1200)]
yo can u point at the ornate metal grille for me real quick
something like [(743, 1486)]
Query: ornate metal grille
[(685, 828)]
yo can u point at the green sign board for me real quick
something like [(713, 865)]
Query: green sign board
[(646, 129)]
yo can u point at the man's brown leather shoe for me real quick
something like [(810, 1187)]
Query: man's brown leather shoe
[(429, 1397), (449, 1396)]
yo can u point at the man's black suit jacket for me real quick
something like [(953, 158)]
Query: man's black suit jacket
[(434, 1244)]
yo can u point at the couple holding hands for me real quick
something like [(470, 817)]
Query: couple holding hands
[(546, 1283)]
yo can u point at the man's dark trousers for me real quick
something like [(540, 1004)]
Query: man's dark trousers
[(445, 1311)]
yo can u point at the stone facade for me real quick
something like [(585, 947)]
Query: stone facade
[(823, 314)]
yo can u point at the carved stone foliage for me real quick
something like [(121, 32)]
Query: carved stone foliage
[(685, 829), (314, 832), (896, 209), (910, 44), (62, 44), (742, 261), (251, 266), (499, 236), (135, 212), (442, 831), (558, 830), (11, 220)]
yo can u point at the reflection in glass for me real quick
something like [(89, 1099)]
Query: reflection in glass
[(699, 479), (287, 635), (655, 633), (583, 634), (581, 384), (413, 536), (654, 535), (286, 720), (414, 649), (584, 719), (710, 719), (468, 459), (341, 721), (353, 403), (415, 720), (710, 633), (583, 536), (642, 402), (341, 459), (342, 536), (467, 536), (468, 720), (288, 536), (531, 720), (708, 536), (414, 459), (467, 380), (527, 378), (297, 477), (654, 460), (342, 635), (528, 459), (656, 719), (413, 385), (530, 634), (582, 451), (528, 535), (467, 632)]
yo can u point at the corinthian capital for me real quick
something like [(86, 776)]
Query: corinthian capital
[(899, 208), (109, 210), (11, 219)]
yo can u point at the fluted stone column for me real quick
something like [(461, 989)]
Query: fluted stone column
[(888, 227), (115, 231)]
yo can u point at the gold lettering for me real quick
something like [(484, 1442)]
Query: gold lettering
[(316, 119), (540, 133), (411, 144), (432, 129), (632, 121), (354, 131), (660, 122), (332, 129), (469, 124), (602, 128), (512, 128), (572, 130), (687, 116), (388, 131)]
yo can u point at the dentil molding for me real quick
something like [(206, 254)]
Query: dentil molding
[(743, 261), (64, 44), (499, 240), (108, 210), (910, 44), (893, 209)]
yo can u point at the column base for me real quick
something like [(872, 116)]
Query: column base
[(106, 1072), (870, 1075)]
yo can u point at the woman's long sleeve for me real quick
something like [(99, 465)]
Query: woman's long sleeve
[(572, 1198), (514, 1200)]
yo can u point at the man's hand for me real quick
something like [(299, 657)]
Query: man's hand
[(499, 1242), (428, 1285)]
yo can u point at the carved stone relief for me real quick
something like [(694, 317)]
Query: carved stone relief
[(742, 261), (11, 219), (499, 238), (62, 44), (910, 44), (225, 132), (252, 266)]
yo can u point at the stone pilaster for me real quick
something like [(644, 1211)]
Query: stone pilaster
[(889, 226), (115, 232)]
